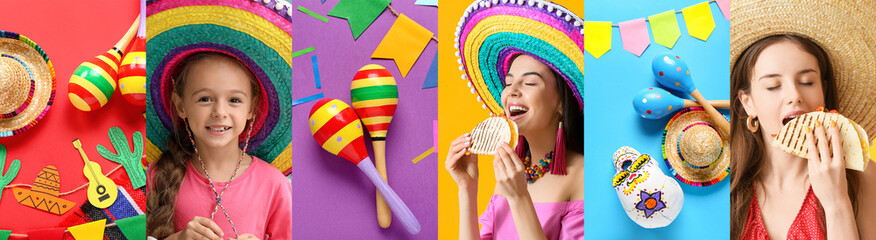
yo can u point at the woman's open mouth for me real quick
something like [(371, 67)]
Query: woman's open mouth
[(517, 111)]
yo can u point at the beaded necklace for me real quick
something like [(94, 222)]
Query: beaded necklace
[(536, 171), (218, 194)]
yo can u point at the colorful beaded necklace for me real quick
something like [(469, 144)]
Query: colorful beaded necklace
[(536, 171), (218, 194)]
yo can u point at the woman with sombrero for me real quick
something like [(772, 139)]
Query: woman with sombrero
[(525, 60), (788, 58), (218, 118)]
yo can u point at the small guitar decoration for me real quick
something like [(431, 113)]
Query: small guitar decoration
[(102, 191)]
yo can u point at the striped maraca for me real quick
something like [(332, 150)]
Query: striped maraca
[(337, 129), (672, 72), (132, 74), (656, 103), (375, 96), (94, 81)]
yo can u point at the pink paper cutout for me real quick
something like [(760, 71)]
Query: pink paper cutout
[(435, 135), (724, 5), (634, 35)]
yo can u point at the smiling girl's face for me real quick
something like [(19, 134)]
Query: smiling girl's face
[(785, 82), (216, 100), (531, 98)]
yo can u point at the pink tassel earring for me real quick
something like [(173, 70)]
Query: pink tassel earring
[(521, 147), (558, 165)]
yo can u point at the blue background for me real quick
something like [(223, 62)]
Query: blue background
[(611, 122)]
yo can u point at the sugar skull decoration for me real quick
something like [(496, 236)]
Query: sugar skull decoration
[(649, 197)]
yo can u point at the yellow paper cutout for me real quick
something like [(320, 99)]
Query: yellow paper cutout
[(664, 26), (597, 37), (873, 150), (404, 43), (699, 21), (423, 155), (88, 231)]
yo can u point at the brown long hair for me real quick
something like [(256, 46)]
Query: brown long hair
[(170, 169), (746, 153)]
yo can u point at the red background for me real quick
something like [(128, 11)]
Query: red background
[(70, 32)]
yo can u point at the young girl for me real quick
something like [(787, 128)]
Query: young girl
[(215, 101), (218, 120), (539, 186), (779, 72)]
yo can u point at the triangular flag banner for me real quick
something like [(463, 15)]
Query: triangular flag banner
[(432, 76), (724, 5), (634, 35), (359, 13), (133, 227), (53, 233), (873, 150), (597, 37), (88, 231), (664, 26), (4, 234), (404, 43), (699, 21), (427, 2)]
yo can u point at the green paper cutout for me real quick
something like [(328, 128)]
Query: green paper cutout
[(302, 52), (133, 227), (130, 160), (312, 14), (7, 177), (359, 13), (664, 26), (4, 234)]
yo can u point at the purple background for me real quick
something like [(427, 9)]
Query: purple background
[(332, 199)]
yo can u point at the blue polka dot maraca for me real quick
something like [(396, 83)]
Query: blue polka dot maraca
[(656, 103), (672, 72)]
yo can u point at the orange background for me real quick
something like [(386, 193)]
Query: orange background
[(458, 113)]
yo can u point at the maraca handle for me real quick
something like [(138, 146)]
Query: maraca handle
[(395, 203), (722, 104), (719, 119), (384, 214)]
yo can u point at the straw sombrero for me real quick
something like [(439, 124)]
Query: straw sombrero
[(27, 83), (844, 28), (491, 33), (257, 33), (696, 151)]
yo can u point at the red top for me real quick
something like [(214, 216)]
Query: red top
[(807, 224)]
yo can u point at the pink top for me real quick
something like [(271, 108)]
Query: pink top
[(559, 220), (259, 202), (807, 224)]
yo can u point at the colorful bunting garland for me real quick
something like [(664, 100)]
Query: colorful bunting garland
[(664, 26), (132, 228)]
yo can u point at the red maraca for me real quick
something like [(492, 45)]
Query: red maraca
[(132, 73), (94, 81), (374, 95), (336, 127)]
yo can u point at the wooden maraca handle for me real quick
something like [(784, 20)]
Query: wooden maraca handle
[(122, 45), (384, 214), (722, 104), (719, 119)]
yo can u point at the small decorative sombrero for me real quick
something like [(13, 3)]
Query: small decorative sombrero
[(257, 33), (843, 28), (27, 83), (696, 151), (44, 194), (491, 33)]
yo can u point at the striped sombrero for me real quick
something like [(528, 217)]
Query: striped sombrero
[(491, 33), (257, 33), (27, 83)]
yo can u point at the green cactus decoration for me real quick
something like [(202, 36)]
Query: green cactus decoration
[(129, 160), (6, 178)]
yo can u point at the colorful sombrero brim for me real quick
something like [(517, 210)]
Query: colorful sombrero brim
[(844, 28), (35, 61), (491, 33), (680, 165), (255, 33)]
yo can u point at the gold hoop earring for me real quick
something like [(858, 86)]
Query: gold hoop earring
[(752, 126)]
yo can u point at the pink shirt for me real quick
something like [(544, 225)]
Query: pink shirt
[(559, 220), (259, 202)]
